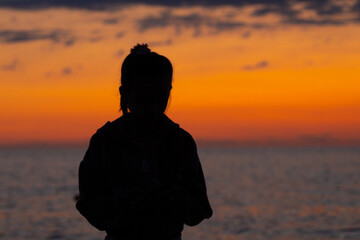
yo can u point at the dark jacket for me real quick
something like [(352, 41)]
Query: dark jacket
[(137, 188)]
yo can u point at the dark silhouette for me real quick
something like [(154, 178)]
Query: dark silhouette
[(141, 177)]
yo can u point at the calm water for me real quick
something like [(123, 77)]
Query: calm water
[(272, 193)]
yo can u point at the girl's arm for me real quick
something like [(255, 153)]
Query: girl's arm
[(192, 195), (96, 203)]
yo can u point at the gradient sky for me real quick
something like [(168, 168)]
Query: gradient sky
[(252, 72)]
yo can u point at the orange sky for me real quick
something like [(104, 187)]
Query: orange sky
[(280, 83)]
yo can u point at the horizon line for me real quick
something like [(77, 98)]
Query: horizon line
[(206, 143)]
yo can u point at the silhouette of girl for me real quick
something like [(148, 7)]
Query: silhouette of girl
[(141, 177)]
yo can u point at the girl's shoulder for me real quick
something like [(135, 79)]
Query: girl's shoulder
[(112, 126), (108, 130), (181, 136), (178, 131), (167, 129)]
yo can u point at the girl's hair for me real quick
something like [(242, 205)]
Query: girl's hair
[(146, 67)]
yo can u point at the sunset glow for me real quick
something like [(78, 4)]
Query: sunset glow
[(238, 76)]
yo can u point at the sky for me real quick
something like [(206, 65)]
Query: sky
[(245, 72)]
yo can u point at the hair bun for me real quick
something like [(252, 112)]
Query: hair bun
[(140, 49)]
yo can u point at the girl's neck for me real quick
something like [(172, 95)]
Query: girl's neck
[(143, 123), (141, 130)]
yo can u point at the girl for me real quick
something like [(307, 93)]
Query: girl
[(141, 177)]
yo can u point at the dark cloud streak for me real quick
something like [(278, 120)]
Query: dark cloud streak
[(192, 20), (313, 22), (327, 13), (259, 65), (326, 16), (281, 7), (111, 21), (167, 18), (161, 43), (120, 35), (66, 71), (322, 7), (18, 36), (120, 53), (112, 4), (12, 66), (246, 35)]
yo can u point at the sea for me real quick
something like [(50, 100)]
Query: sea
[(266, 193)]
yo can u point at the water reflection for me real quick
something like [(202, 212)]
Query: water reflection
[(256, 194)]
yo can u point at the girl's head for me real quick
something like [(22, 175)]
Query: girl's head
[(146, 79)]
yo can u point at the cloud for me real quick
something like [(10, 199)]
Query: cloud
[(167, 18), (111, 4), (314, 22), (120, 53), (259, 65), (356, 10), (19, 36), (69, 42), (111, 21), (56, 36), (13, 65), (246, 34), (66, 71), (95, 39), (226, 25), (321, 7), (327, 12), (325, 7), (120, 34), (197, 21), (356, 6), (160, 43), (330, 10), (96, 36), (267, 9)]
